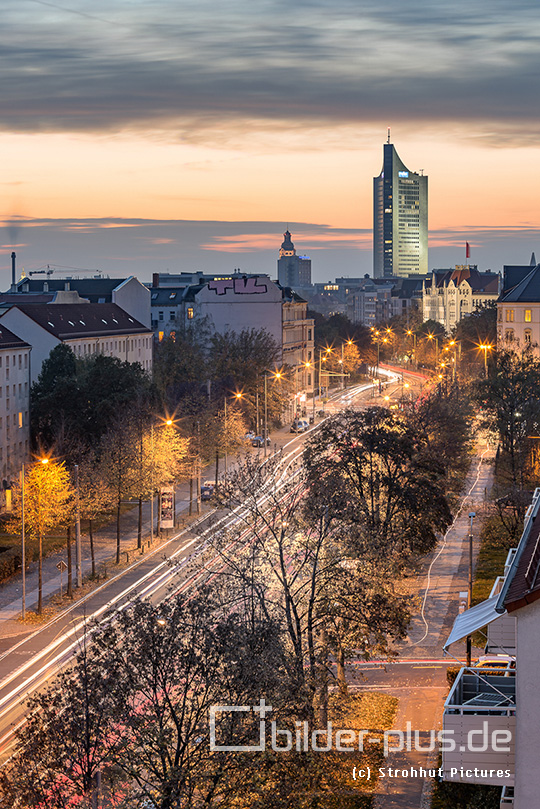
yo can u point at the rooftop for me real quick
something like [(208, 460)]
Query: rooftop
[(522, 584), (71, 321), (527, 290), (10, 340)]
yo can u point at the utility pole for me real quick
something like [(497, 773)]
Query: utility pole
[(23, 548), (265, 411), (198, 467), (152, 486), (225, 435), (472, 515), (78, 549)]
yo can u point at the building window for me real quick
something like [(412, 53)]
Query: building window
[(309, 334), (25, 361), (20, 420), (509, 334), (172, 315), (509, 315), (499, 314), (528, 315), (160, 315), (190, 313), (528, 336)]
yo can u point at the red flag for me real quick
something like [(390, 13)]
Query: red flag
[(467, 250)]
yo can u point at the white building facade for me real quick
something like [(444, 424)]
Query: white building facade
[(14, 405), (450, 295), (87, 328)]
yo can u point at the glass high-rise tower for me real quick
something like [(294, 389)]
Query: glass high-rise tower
[(400, 219)]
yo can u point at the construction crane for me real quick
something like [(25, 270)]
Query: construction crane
[(48, 270)]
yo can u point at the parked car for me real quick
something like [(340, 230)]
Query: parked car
[(299, 426), (248, 438), (491, 662), (207, 489), (258, 441)]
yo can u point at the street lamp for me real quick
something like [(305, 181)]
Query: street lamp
[(485, 347), (472, 515), (411, 333), (168, 422), (238, 395), (44, 462), (432, 337)]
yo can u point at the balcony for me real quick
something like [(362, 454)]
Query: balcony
[(507, 798), (479, 724), (501, 633)]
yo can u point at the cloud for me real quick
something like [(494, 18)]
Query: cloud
[(195, 69), (121, 247)]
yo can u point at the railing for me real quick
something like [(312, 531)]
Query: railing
[(479, 724)]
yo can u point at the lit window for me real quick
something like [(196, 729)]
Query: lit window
[(20, 420), (528, 315), (190, 313), (509, 315)]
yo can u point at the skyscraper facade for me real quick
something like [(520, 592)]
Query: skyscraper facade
[(400, 219), (293, 271)]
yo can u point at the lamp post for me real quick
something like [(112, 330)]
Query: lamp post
[(411, 333), (78, 551), (152, 485), (432, 337), (472, 515), (166, 422), (23, 547), (485, 347), (44, 461)]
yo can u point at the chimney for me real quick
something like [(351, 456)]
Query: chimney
[(13, 273), (155, 279)]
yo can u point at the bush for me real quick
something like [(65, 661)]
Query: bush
[(451, 674), (10, 561)]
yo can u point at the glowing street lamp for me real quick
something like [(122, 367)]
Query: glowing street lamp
[(485, 347)]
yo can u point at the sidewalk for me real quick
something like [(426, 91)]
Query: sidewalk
[(104, 551)]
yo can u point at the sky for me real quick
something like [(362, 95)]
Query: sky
[(176, 135)]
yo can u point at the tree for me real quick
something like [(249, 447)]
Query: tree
[(55, 400), (443, 418), (510, 403), (300, 568), (371, 470), (47, 503), (478, 328), (162, 459), (95, 497), (135, 707), (363, 613), (180, 366), (75, 400), (118, 466), (237, 359)]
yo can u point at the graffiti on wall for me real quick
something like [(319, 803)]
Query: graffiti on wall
[(239, 286)]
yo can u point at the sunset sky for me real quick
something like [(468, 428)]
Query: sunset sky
[(144, 136)]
